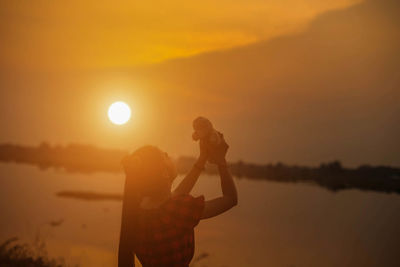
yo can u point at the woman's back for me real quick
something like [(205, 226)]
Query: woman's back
[(165, 235)]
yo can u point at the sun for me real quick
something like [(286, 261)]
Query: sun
[(119, 113)]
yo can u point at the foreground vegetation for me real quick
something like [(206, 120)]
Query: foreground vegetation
[(15, 254)]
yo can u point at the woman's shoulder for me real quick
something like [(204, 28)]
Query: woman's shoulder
[(186, 198), (184, 210), (184, 201)]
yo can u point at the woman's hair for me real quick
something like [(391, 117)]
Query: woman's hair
[(146, 175)]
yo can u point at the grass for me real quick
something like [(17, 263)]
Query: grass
[(16, 254)]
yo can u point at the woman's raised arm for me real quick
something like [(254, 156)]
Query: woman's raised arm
[(186, 185), (229, 197)]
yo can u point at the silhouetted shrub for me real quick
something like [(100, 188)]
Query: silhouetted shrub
[(13, 254)]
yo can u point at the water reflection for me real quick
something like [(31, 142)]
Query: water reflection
[(275, 224)]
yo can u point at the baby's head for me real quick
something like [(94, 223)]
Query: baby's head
[(202, 128)]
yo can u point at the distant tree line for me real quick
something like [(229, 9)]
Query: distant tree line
[(72, 158), (88, 159)]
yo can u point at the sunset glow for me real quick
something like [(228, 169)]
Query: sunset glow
[(119, 113), (127, 126)]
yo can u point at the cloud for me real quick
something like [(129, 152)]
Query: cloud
[(85, 34), (323, 94)]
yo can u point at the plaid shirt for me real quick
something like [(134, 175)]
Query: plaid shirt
[(166, 234)]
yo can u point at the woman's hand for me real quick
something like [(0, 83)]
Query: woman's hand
[(217, 153)]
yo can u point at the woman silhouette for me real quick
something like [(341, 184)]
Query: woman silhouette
[(157, 224)]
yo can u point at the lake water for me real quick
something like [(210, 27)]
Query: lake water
[(275, 224)]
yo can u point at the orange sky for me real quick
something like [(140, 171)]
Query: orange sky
[(104, 33), (325, 89)]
